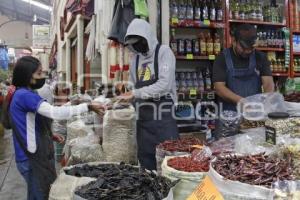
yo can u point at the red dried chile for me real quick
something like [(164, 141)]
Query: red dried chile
[(187, 164), (180, 145)]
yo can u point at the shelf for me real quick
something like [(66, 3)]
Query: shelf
[(297, 74), (280, 74), (296, 31), (257, 22), (191, 57), (269, 49), (194, 25), (296, 53)]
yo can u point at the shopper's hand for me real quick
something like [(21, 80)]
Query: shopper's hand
[(126, 97), (58, 138), (97, 108)]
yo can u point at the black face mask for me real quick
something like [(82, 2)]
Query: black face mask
[(141, 46), (39, 83)]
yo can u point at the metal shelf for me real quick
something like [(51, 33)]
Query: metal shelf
[(257, 22), (269, 49)]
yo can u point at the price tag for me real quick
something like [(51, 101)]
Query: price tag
[(206, 22), (206, 190), (190, 56), (193, 92), (174, 21), (211, 57)]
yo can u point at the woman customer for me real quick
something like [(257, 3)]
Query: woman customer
[(32, 136)]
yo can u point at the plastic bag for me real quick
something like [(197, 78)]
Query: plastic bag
[(257, 107), (59, 127), (223, 145), (86, 149), (188, 180), (119, 136), (253, 141), (228, 124), (77, 129), (286, 190), (141, 8), (64, 186), (237, 190), (201, 155)]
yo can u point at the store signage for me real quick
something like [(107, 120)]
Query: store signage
[(211, 57), (41, 36), (206, 191)]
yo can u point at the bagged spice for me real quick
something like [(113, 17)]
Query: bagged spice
[(188, 180), (178, 147), (119, 136), (121, 181)]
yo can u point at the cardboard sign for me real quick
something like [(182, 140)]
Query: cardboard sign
[(206, 191)]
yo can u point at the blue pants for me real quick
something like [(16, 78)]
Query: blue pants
[(33, 193)]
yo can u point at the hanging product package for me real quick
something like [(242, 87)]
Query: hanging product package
[(122, 17), (119, 136), (141, 8)]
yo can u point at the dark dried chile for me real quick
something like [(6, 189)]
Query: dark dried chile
[(181, 145), (255, 170), (121, 182)]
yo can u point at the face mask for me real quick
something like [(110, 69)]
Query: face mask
[(141, 46), (39, 83)]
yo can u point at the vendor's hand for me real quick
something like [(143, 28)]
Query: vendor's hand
[(126, 97), (97, 108), (58, 138)]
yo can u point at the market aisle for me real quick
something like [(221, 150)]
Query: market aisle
[(12, 185)]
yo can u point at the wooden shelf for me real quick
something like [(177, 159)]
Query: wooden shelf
[(296, 53), (296, 31), (269, 49), (195, 25), (257, 22), (194, 58), (280, 74), (296, 74)]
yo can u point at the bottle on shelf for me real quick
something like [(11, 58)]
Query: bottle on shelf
[(182, 10), (212, 11), (219, 10), (190, 10), (196, 47), (247, 9), (209, 44), (173, 42), (188, 46), (197, 11), (203, 50), (235, 9), (242, 9), (208, 80), (258, 11), (200, 83), (205, 11), (181, 47), (174, 9), (217, 44)]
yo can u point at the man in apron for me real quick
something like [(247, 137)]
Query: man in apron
[(152, 73), (239, 72)]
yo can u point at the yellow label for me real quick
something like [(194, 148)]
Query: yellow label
[(210, 47), (197, 146), (206, 22), (217, 47), (174, 20), (211, 57), (203, 47), (190, 56), (206, 191), (193, 92)]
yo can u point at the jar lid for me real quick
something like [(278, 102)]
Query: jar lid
[(278, 115)]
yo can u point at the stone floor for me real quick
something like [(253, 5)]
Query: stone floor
[(12, 185)]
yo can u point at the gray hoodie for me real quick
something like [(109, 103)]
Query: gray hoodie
[(166, 83)]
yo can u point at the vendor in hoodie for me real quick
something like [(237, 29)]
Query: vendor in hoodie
[(152, 73)]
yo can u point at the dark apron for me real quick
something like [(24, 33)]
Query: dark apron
[(42, 161), (152, 130), (242, 81)]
